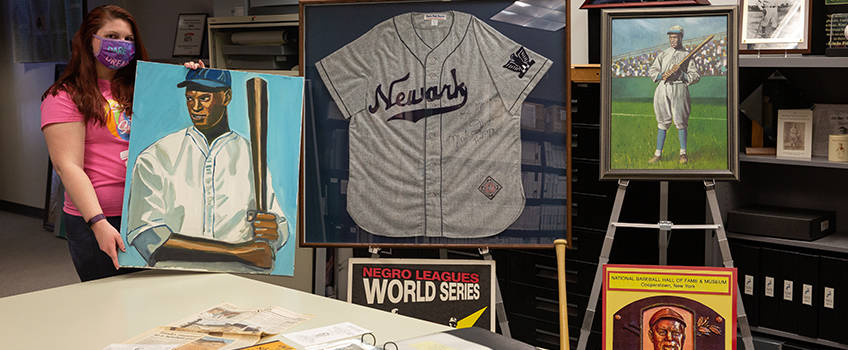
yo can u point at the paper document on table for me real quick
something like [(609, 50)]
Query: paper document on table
[(183, 340), (228, 318), (439, 341), (326, 334), (139, 347)]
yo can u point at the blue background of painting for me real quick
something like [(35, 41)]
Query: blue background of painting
[(633, 34), (160, 109)]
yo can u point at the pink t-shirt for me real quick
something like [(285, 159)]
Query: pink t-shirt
[(105, 160)]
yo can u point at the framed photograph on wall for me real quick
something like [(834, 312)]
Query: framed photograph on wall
[(435, 123), (190, 34), (668, 93), (775, 26)]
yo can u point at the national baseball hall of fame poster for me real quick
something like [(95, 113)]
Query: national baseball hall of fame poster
[(455, 293), (669, 307), (212, 171)]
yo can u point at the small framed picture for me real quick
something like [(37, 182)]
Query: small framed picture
[(775, 26), (795, 133), (191, 32)]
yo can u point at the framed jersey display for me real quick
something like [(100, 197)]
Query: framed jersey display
[(668, 94), (436, 123)]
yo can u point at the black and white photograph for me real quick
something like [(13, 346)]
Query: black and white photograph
[(776, 22)]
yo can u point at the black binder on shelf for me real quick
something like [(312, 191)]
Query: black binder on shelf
[(747, 261), (808, 299), (771, 294), (831, 297), (788, 291), (841, 302)]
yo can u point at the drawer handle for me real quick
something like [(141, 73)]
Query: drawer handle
[(573, 209), (574, 139), (572, 309), (571, 276), (547, 305), (546, 272), (574, 240), (547, 337)]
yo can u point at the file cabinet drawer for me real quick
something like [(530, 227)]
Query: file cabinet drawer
[(590, 211), (587, 244), (544, 304), (540, 271), (585, 142), (584, 179)]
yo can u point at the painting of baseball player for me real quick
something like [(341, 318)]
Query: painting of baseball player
[(673, 71), (201, 196), (674, 81)]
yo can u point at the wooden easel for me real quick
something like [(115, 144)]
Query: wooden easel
[(664, 227)]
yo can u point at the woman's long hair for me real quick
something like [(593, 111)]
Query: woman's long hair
[(80, 77)]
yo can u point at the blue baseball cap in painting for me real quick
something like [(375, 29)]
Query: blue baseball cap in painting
[(208, 78)]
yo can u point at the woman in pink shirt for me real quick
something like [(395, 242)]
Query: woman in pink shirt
[(85, 117)]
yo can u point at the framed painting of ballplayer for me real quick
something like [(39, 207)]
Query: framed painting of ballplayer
[(436, 123), (668, 94)]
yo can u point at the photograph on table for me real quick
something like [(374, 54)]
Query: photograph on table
[(436, 123), (212, 171), (668, 94), (775, 26), (669, 307)]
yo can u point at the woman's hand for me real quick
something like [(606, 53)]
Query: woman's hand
[(194, 65), (109, 240)]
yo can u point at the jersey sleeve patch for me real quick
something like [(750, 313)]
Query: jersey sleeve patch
[(519, 62)]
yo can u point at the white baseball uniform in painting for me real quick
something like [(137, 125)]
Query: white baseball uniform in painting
[(434, 104), (671, 98), (197, 190)]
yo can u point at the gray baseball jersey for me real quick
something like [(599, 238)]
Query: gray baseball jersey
[(434, 104)]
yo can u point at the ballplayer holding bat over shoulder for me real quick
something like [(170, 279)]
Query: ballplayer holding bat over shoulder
[(434, 104)]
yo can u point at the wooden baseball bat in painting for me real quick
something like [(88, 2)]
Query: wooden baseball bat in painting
[(257, 114)]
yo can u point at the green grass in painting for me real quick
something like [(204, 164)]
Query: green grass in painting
[(633, 137)]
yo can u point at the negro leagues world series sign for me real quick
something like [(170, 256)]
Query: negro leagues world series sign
[(456, 293)]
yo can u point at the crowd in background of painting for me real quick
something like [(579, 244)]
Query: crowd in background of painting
[(636, 64)]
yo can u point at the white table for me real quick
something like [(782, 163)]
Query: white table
[(94, 314)]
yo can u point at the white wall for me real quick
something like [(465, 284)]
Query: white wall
[(23, 152)]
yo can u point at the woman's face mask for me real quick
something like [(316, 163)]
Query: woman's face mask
[(115, 54)]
